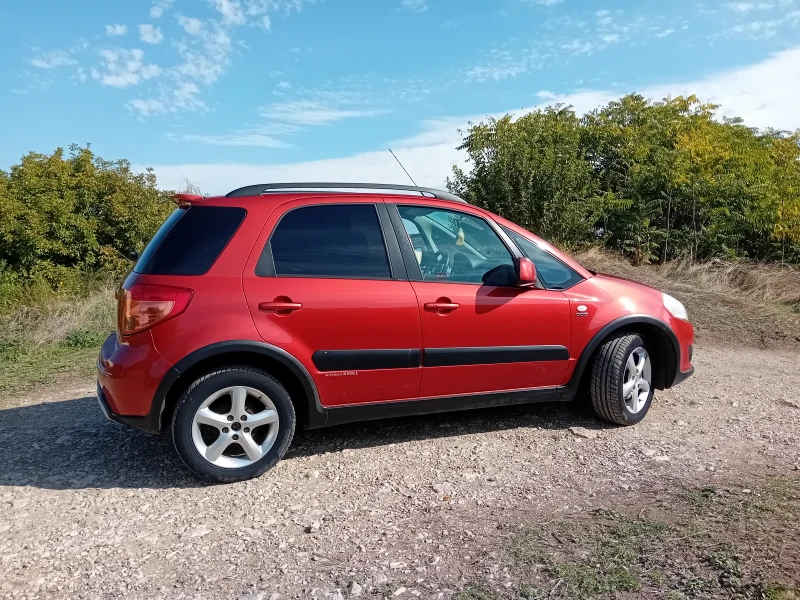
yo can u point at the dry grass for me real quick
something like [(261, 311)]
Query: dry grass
[(54, 337), (758, 281), (58, 319), (742, 303)]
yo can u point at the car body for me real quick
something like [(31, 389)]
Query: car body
[(369, 303)]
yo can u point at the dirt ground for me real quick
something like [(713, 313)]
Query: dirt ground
[(427, 506)]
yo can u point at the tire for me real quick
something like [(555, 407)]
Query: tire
[(612, 374), (221, 408)]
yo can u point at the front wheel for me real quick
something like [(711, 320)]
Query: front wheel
[(622, 380), (233, 424)]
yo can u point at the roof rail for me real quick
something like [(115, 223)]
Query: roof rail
[(265, 188)]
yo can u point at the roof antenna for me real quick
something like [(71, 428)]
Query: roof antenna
[(402, 167)]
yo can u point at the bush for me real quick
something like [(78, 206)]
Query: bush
[(64, 216)]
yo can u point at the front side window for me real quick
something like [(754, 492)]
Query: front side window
[(554, 274), (452, 246), (330, 240)]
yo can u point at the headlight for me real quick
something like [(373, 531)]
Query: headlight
[(675, 307)]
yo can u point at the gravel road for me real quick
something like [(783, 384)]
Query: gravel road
[(406, 508)]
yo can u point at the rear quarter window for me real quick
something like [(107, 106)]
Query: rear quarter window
[(190, 240)]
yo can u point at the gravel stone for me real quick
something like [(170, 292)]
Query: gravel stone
[(582, 432), (114, 513)]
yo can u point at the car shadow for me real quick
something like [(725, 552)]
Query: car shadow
[(70, 445)]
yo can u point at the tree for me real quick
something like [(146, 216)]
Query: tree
[(652, 180), (59, 214), (532, 171)]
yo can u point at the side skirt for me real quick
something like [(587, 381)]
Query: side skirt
[(424, 406)]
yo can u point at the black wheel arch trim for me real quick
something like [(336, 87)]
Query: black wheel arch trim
[(316, 415), (671, 376)]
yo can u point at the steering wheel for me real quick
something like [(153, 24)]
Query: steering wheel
[(444, 262)]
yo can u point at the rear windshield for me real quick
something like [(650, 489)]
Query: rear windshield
[(190, 240)]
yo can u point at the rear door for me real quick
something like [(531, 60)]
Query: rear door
[(477, 337), (325, 284)]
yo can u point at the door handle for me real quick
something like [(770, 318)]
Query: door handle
[(442, 305), (280, 308)]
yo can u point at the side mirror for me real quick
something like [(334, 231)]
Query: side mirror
[(526, 273)]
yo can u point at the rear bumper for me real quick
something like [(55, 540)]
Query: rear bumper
[(130, 376), (146, 423), (682, 376)]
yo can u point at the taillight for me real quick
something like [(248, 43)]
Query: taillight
[(145, 304)]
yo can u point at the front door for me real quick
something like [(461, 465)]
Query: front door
[(479, 338), (323, 289)]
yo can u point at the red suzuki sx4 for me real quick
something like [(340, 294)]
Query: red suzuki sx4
[(287, 305)]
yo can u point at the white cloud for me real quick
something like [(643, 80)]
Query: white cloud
[(185, 96), (150, 34), (502, 64), (231, 12), (610, 38), (310, 112), (243, 138), (579, 47), (414, 5), (112, 30), (746, 7), (146, 107), (284, 85), (206, 59), (757, 29), (190, 25), (159, 7), (543, 2), (665, 33), (123, 68), (496, 72), (32, 81), (52, 60), (761, 94)]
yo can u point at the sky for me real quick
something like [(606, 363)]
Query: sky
[(226, 93)]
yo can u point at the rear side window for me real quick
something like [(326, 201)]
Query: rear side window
[(329, 240), (190, 240)]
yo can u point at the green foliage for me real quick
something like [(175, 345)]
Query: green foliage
[(63, 216), (652, 180)]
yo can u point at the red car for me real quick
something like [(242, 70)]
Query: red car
[(320, 304)]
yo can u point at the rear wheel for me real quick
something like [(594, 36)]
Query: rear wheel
[(233, 424), (622, 380)]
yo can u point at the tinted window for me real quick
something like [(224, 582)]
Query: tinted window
[(453, 246), (330, 241), (554, 274), (190, 240)]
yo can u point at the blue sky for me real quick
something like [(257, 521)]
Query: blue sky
[(230, 92)]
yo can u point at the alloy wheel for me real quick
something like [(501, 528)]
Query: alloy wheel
[(637, 380), (235, 427)]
